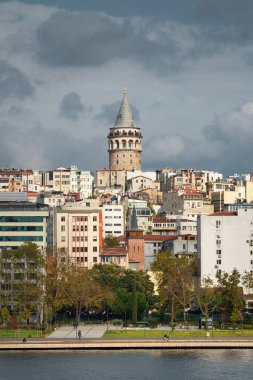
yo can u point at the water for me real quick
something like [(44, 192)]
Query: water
[(127, 365)]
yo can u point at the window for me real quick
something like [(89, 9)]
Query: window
[(62, 228), (94, 228), (219, 262), (218, 251), (95, 249), (218, 223), (95, 218), (63, 219), (95, 259), (62, 239), (95, 238), (184, 246), (218, 242)]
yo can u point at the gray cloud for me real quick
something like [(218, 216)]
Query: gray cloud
[(226, 21), (88, 39), (13, 83), (71, 106), (36, 147), (109, 112)]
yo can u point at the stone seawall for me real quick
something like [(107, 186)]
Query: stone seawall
[(102, 344)]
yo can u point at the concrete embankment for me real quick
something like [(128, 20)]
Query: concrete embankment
[(102, 344)]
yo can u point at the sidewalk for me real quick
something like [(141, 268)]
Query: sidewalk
[(88, 332)]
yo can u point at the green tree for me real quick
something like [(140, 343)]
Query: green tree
[(25, 277), (4, 315), (57, 265), (120, 281), (207, 298), (110, 241), (81, 291), (231, 292), (175, 278)]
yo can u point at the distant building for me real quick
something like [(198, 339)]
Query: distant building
[(225, 242), (78, 232), (124, 140), (113, 220), (143, 214), (188, 202), (22, 221)]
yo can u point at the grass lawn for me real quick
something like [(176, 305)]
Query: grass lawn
[(128, 334), (21, 333)]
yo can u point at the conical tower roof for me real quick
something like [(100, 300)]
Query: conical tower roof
[(124, 117)]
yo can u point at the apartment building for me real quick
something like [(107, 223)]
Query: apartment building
[(78, 232), (225, 242), (188, 202), (22, 221), (143, 214), (113, 220)]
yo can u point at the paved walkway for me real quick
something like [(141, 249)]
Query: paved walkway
[(88, 331)]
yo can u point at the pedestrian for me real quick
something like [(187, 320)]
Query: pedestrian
[(79, 334), (24, 340)]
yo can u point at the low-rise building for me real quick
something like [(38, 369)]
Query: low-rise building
[(163, 225), (186, 202)]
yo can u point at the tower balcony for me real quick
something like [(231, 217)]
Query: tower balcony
[(118, 134)]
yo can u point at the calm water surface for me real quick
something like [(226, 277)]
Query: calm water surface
[(127, 365)]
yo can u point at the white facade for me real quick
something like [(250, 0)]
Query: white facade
[(225, 242), (81, 182), (113, 220), (186, 226), (134, 173)]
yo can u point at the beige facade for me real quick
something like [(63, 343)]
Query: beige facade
[(219, 198), (78, 232), (111, 180), (186, 202), (124, 141)]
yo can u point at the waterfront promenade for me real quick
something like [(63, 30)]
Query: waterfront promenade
[(66, 338)]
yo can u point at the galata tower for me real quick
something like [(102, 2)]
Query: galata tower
[(124, 140)]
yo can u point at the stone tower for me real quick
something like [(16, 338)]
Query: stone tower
[(124, 140)]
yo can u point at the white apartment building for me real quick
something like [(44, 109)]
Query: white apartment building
[(52, 198), (186, 226), (225, 242), (69, 180), (113, 220), (78, 232)]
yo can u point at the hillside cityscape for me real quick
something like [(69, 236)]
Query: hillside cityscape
[(123, 217)]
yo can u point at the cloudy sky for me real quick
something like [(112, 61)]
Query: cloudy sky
[(188, 66)]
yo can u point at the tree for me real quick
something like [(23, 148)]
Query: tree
[(231, 294), (111, 241), (24, 271), (81, 291), (4, 315), (120, 281), (175, 277), (206, 298), (57, 265)]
